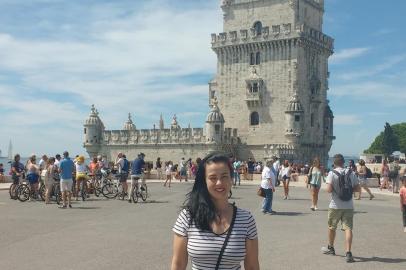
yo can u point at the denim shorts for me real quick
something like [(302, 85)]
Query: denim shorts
[(32, 178)]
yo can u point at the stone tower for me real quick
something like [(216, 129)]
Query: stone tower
[(214, 125), (272, 56), (93, 133)]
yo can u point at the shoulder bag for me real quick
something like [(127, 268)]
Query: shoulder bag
[(227, 238)]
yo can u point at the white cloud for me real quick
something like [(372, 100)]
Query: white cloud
[(118, 67), (347, 54), (346, 120), (373, 70)]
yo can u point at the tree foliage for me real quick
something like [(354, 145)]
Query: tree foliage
[(393, 138)]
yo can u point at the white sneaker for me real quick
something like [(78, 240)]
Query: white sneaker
[(315, 208)]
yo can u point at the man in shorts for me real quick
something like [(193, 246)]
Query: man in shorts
[(66, 167), (137, 172), (123, 169), (340, 210), (183, 169)]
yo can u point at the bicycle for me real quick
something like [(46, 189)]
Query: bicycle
[(112, 190), (25, 192), (137, 192)]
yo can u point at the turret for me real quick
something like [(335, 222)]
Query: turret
[(93, 132), (129, 125), (161, 122), (294, 120), (215, 124)]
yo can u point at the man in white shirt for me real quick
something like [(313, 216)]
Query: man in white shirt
[(341, 183), (268, 185)]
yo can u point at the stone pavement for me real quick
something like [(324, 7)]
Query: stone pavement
[(111, 234)]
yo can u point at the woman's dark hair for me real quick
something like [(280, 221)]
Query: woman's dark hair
[(198, 202)]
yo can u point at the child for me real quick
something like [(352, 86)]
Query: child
[(2, 177), (403, 203), (168, 173)]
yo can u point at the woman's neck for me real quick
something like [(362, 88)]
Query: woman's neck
[(222, 207)]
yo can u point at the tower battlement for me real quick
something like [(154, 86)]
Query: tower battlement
[(272, 33)]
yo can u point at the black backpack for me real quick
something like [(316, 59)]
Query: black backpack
[(345, 189), (369, 173)]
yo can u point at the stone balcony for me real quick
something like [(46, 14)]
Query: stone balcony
[(254, 99)]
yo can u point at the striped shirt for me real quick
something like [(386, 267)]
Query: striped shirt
[(204, 246)]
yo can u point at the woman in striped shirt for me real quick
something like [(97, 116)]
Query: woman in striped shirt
[(213, 232)]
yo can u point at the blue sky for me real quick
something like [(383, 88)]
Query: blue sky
[(57, 57)]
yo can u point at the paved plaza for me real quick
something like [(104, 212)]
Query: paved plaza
[(111, 234)]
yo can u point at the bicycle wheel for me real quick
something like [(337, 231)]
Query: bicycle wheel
[(121, 194), (110, 191), (83, 190), (58, 195), (23, 193), (42, 191), (13, 194), (144, 192), (134, 195)]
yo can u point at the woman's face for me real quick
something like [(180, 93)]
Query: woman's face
[(218, 180)]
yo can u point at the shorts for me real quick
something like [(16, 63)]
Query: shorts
[(135, 176), (123, 177), (66, 185), (363, 181), (183, 172), (346, 217), (285, 177), (32, 178), (315, 186), (81, 177)]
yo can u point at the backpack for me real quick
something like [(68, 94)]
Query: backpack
[(126, 166), (345, 188), (369, 173)]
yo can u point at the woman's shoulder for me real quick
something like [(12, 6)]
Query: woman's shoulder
[(244, 214)]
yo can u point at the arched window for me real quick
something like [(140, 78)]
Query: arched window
[(258, 28), (254, 119)]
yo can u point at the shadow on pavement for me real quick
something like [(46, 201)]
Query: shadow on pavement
[(299, 199), (155, 201), (86, 207), (378, 259), (290, 214)]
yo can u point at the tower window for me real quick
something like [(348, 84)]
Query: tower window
[(258, 58), (254, 119), (217, 129), (312, 120), (258, 28), (255, 87), (255, 58), (297, 118), (252, 59), (85, 131)]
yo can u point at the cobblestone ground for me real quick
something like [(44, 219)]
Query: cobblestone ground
[(111, 234)]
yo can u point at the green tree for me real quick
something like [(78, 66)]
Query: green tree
[(397, 139), (390, 142)]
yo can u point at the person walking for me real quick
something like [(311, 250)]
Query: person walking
[(50, 171), (168, 173), (363, 180), (402, 194), (384, 175), (285, 175), (158, 166), (236, 172), (66, 168), (212, 232), (268, 185), (394, 176), (315, 177), (341, 184)]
